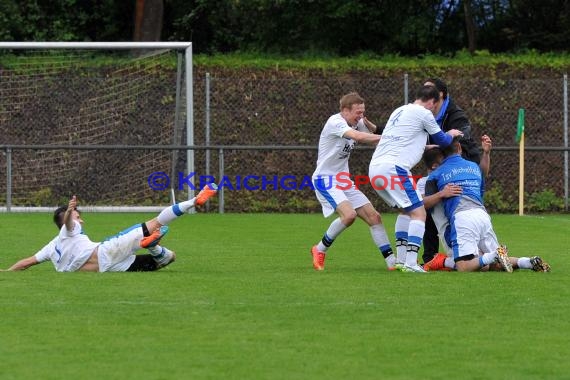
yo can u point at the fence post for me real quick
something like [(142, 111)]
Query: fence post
[(207, 123), (177, 128), (8, 179), (221, 190), (207, 131), (565, 106), (189, 116)]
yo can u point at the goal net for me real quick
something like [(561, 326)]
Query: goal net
[(128, 101)]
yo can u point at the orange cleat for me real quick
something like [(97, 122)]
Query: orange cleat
[(437, 263), (318, 258), (206, 193), (153, 239)]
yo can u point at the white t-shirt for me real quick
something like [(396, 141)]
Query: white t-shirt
[(405, 136), (334, 149), (69, 250)]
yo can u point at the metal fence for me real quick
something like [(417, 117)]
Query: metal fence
[(267, 126)]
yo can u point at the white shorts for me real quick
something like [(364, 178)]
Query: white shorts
[(331, 193), (117, 253), (471, 232), (395, 185)]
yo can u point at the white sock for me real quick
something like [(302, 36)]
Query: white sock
[(487, 258), (157, 251), (402, 226), (170, 213), (449, 263), (415, 236), (159, 254), (335, 229), (380, 238), (524, 263), (390, 261)]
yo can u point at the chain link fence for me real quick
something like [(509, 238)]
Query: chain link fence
[(235, 113)]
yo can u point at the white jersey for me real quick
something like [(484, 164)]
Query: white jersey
[(405, 136), (69, 250), (334, 149)]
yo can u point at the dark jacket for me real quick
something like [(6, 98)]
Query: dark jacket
[(455, 118)]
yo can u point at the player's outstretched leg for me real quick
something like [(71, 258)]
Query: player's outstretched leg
[(170, 213)]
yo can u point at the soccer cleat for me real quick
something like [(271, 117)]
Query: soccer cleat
[(437, 263), (538, 265), (399, 267), (206, 193), (165, 258), (413, 269), (503, 258), (153, 239), (318, 258)]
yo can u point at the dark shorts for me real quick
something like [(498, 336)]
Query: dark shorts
[(143, 263)]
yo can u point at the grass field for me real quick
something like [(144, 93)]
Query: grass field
[(243, 302)]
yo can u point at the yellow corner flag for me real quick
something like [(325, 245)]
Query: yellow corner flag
[(520, 141)]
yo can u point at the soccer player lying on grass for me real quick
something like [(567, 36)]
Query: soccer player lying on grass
[(72, 250), (462, 220)]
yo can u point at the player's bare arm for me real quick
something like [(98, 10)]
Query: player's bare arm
[(450, 190), (362, 137), (23, 264)]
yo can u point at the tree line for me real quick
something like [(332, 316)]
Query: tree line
[(343, 28)]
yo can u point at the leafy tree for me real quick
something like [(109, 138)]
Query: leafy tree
[(543, 25), (65, 20), (347, 27)]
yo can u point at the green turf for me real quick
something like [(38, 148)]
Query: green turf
[(242, 302)]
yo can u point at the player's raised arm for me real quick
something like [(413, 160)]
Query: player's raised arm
[(485, 163), (68, 218)]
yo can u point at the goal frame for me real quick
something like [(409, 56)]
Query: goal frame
[(184, 57)]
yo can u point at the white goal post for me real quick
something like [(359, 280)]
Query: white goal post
[(184, 73)]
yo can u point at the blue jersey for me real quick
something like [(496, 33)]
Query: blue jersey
[(458, 171)]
